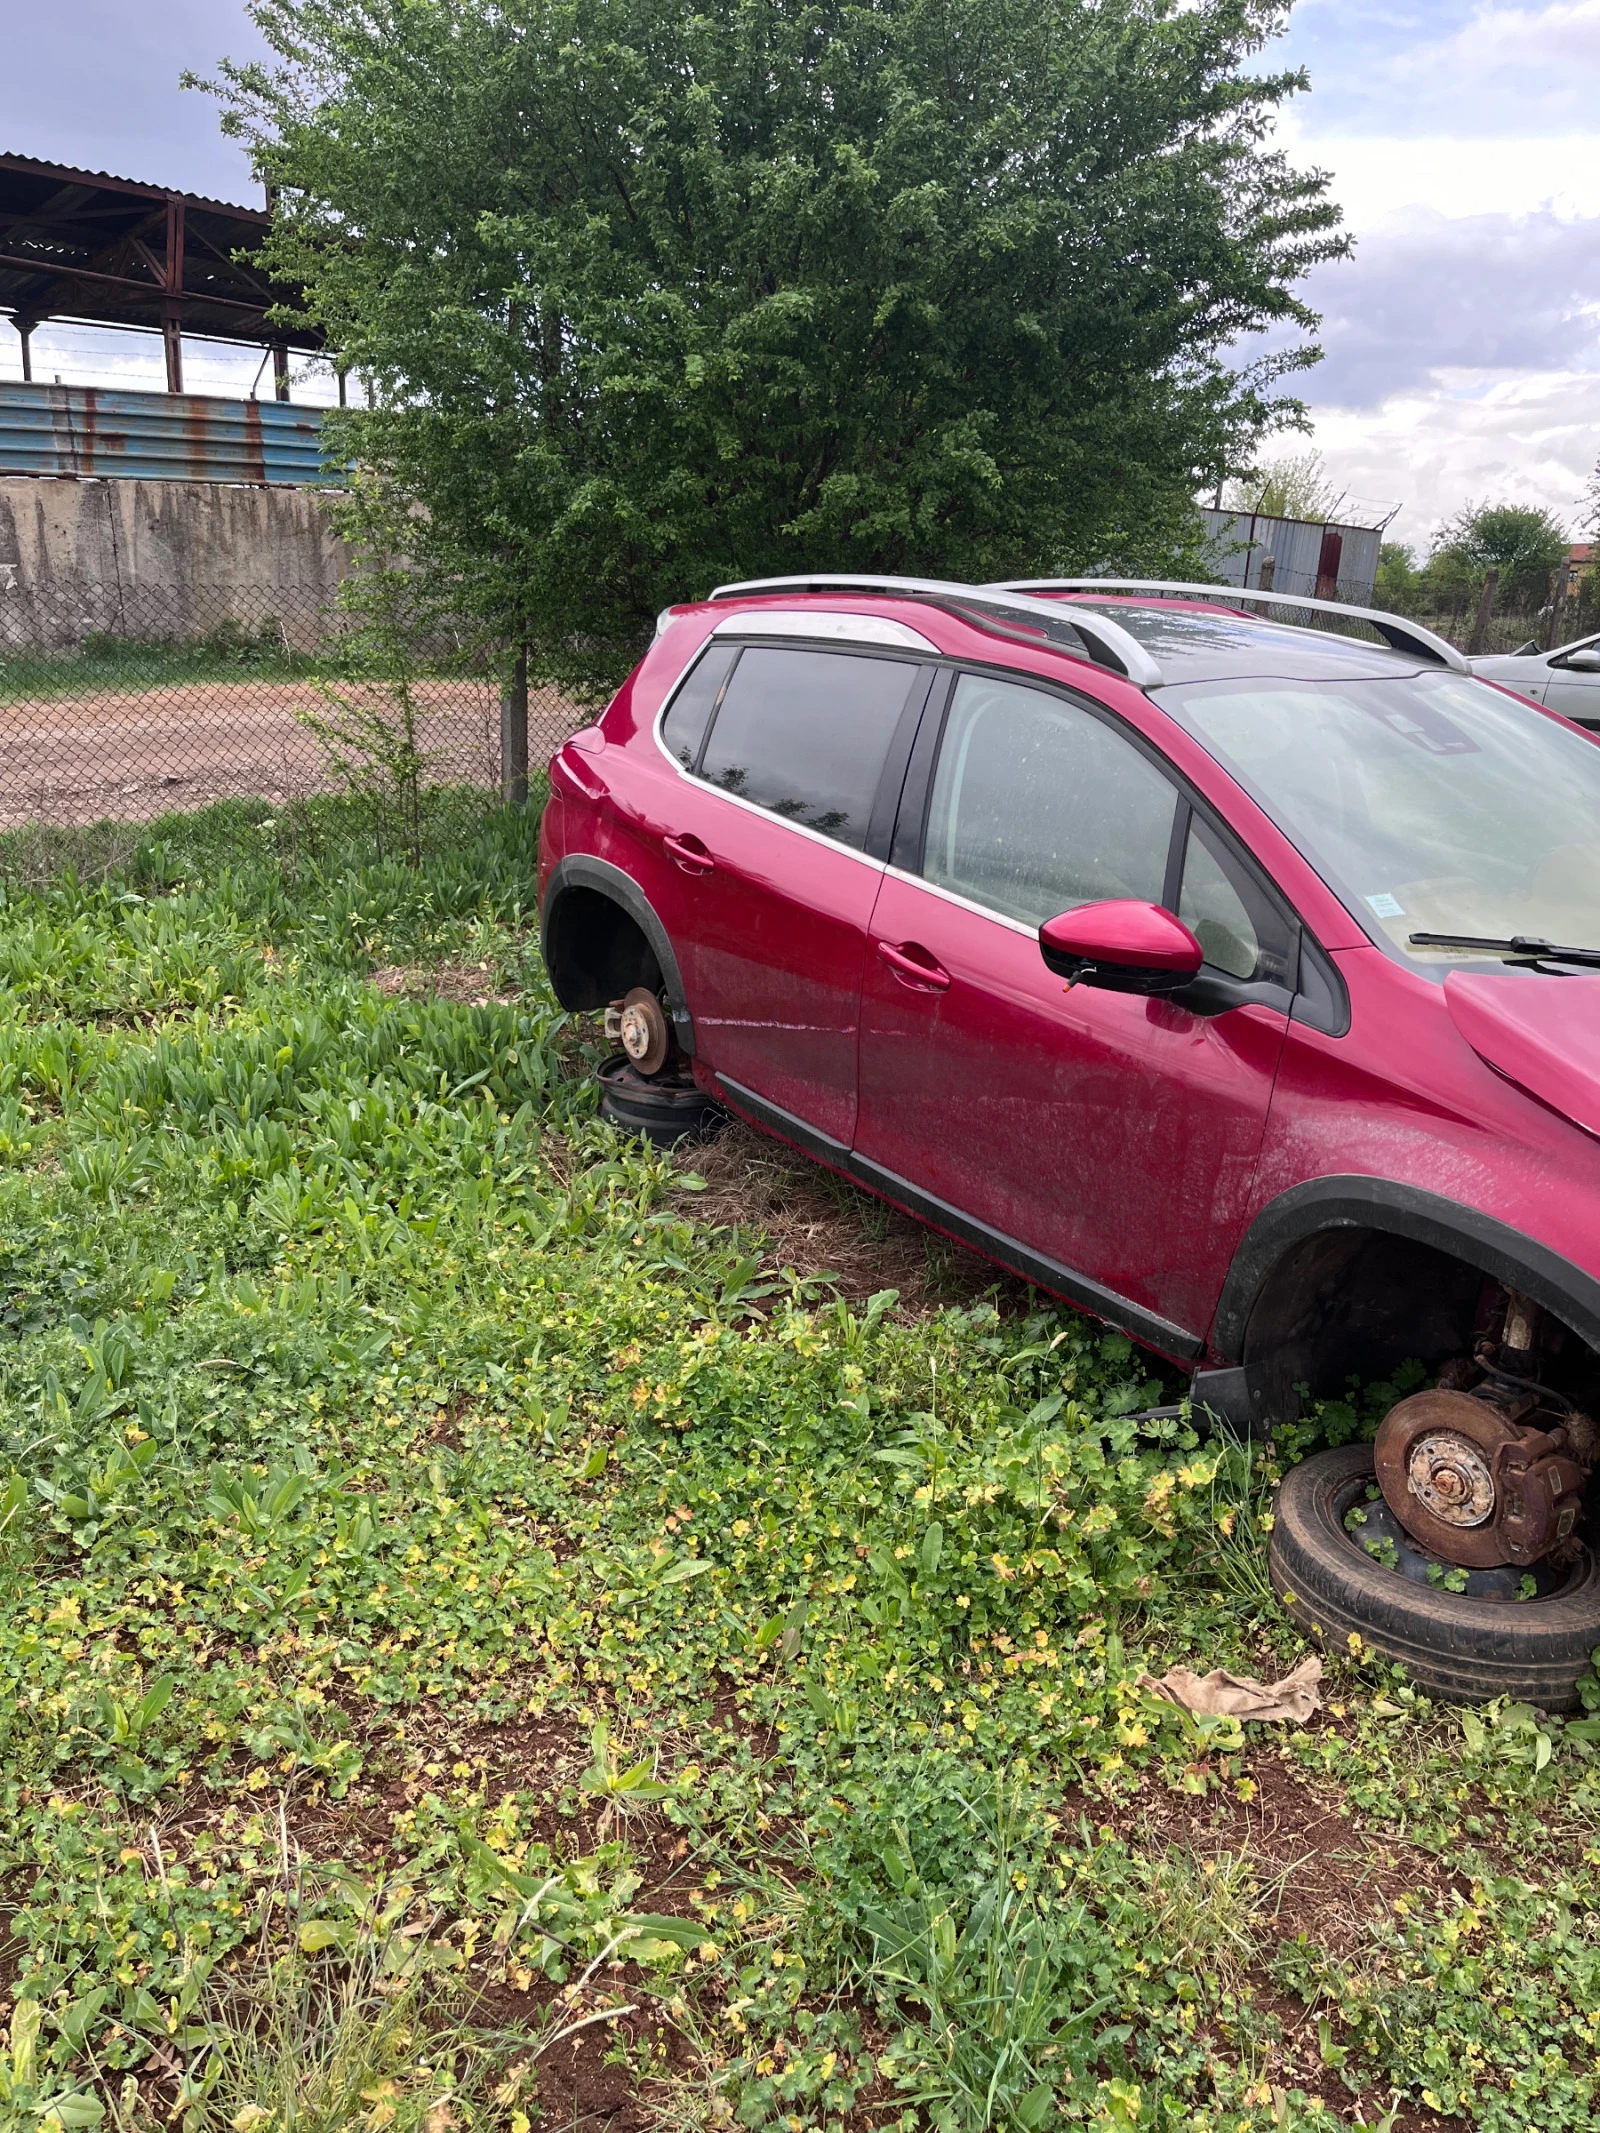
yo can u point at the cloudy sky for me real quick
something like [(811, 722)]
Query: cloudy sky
[(1463, 340), (1463, 357)]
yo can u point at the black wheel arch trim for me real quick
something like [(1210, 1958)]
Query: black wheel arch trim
[(1089, 1295), (1466, 1233), (580, 870)]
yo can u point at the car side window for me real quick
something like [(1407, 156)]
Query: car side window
[(689, 714), (1038, 805), (1240, 931), (806, 734)]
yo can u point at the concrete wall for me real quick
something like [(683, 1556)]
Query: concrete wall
[(159, 559)]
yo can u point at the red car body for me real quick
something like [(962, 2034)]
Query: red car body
[(1289, 1182)]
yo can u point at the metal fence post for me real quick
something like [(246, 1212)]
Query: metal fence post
[(1479, 640), (514, 734)]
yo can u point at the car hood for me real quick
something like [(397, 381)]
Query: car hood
[(1543, 1033)]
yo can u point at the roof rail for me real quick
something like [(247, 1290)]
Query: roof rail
[(1106, 642), (1399, 634)]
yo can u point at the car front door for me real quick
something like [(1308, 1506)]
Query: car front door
[(1100, 1142), (768, 880), (1572, 685)]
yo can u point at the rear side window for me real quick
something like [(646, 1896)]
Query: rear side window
[(1038, 805), (684, 727), (806, 734)]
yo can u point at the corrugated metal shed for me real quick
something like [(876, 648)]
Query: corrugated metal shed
[(84, 431), (1324, 561)]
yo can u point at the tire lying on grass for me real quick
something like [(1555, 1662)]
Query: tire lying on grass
[(662, 1112), (1458, 1647)]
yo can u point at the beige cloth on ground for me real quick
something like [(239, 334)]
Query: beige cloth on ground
[(1223, 1695)]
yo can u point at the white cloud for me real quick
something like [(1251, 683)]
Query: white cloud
[(1468, 436), (1503, 57), (1463, 339), (1377, 178)]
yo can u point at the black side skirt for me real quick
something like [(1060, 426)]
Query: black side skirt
[(994, 1244)]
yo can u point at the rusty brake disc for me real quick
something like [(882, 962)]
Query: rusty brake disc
[(1438, 1456), (1473, 1486), (644, 1031)]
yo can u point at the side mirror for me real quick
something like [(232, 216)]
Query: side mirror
[(1585, 662), (1121, 947)]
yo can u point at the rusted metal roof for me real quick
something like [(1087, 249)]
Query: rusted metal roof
[(83, 431), (82, 244), (116, 182)]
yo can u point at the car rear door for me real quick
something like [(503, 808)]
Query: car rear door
[(789, 757), (1102, 1143)]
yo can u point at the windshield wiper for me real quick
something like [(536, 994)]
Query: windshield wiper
[(1520, 944)]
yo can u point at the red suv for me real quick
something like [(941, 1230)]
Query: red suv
[(1231, 978)]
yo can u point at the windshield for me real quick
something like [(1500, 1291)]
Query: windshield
[(1430, 803)]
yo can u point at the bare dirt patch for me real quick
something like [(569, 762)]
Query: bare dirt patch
[(1316, 1871), (467, 984), (823, 1226), (134, 754)]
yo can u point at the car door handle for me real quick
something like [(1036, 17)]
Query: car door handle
[(690, 854), (909, 967)]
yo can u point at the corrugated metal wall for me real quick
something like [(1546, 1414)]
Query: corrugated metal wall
[(1302, 551), (84, 431)]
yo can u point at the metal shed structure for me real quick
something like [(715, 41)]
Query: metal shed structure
[(82, 245), (1324, 560)]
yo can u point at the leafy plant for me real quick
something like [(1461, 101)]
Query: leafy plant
[(875, 316)]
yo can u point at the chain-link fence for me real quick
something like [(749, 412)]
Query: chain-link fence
[(1510, 626), (124, 703)]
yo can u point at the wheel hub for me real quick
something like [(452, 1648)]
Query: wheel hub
[(1450, 1477)]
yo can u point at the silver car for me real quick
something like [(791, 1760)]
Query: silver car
[(1567, 679)]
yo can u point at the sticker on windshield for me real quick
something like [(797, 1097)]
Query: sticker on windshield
[(1386, 906)]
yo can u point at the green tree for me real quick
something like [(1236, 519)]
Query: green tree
[(1397, 581), (1297, 486), (1524, 544), (649, 295)]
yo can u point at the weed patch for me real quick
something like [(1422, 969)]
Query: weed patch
[(498, 1628)]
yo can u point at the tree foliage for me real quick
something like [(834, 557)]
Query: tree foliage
[(649, 296), (1523, 543), (1396, 585), (1296, 486)]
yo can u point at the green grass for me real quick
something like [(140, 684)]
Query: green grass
[(106, 662), (459, 1624)]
